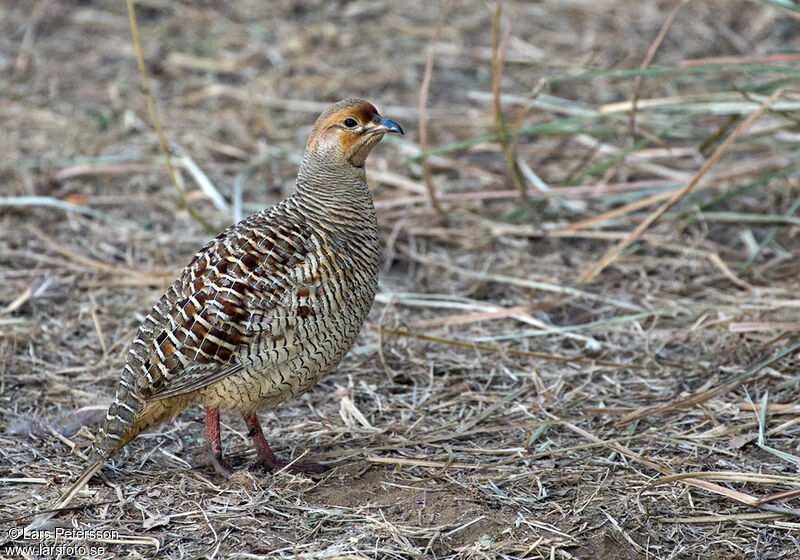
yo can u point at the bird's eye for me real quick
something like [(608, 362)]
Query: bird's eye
[(350, 123)]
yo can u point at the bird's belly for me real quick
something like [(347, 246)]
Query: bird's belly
[(269, 385), (289, 366)]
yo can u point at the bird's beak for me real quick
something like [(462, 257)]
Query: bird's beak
[(383, 125)]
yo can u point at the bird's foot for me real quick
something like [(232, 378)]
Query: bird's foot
[(221, 466), (266, 458)]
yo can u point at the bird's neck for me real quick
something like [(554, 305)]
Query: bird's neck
[(333, 183), (326, 190)]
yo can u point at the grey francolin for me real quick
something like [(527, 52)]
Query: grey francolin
[(265, 309)]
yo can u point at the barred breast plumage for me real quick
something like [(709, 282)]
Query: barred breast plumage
[(267, 308)]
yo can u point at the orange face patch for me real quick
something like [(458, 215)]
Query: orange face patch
[(333, 122), (349, 140), (363, 112)]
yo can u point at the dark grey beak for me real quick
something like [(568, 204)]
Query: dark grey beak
[(385, 125)]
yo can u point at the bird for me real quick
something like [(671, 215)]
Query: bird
[(265, 309)]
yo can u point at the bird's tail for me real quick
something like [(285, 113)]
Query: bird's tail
[(115, 433), (40, 520), (117, 430)]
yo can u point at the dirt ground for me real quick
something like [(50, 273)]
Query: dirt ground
[(498, 403)]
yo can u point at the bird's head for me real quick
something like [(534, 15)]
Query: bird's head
[(347, 131)]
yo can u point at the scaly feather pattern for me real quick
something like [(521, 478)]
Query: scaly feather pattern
[(265, 309)]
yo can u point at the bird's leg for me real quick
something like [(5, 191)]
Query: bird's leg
[(266, 458), (214, 445)]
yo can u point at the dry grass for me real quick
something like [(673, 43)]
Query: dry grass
[(494, 406)]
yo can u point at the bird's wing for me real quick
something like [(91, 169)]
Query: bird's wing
[(240, 290)]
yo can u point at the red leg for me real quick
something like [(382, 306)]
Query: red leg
[(266, 458), (214, 445), (265, 455)]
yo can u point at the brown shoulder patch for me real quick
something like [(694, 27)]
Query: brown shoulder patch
[(304, 311), (250, 262)]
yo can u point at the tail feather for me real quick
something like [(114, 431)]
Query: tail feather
[(116, 432), (40, 520)]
